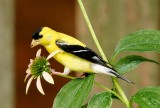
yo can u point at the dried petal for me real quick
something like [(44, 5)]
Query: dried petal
[(48, 77), (31, 60), (38, 54), (28, 71), (28, 84), (26, 77), (53, 70), (53, 53), (39, 86), (48, 63)]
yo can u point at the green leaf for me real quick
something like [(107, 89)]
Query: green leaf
[(74, 93), (148, 97), (130, 62), (100, 100), (143, 40)]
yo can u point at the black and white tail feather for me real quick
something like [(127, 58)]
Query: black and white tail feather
[(121, 77), (107, 70)]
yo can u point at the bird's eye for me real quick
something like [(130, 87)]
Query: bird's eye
[(40, 36), (36, 35)]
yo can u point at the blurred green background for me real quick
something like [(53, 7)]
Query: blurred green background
[(111, 20)]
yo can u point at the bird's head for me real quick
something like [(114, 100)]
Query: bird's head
[(43, 36)]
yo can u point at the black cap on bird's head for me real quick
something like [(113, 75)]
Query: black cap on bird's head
[(42, 36), (35, 37)]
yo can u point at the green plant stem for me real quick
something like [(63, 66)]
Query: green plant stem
[(91, 30), (113, 59), (130, 104), (114, 55), (118, 88), (65, 76), (121, 92)]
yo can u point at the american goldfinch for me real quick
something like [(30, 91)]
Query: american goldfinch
[(72, 53)]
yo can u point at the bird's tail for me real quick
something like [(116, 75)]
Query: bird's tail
[(110, 71), (121, 77)]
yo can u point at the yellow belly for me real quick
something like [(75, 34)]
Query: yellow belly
[(71, 61), (74, 63)]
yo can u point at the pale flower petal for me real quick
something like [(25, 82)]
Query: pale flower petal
[(39, 86), (48, 63), (28, 74), (53, 53), (28, 71), (38, 54), (31, 61), (53, 70), (48, 77), (45, 75), (28, 84)]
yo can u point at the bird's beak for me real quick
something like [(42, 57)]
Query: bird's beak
[(34, 43)]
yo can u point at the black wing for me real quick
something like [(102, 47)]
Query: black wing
[(80, 51)]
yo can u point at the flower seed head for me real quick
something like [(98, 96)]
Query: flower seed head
[(39, 65)]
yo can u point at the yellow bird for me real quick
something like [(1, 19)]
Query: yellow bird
[(72, 53)]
